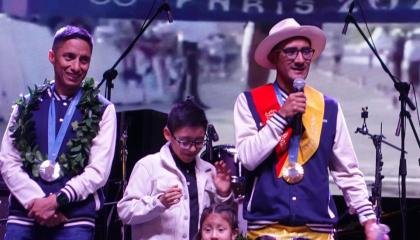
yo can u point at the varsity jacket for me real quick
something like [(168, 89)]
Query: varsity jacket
[(83, 190), (269, 199)]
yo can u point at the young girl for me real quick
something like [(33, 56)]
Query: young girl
[(218, 222)]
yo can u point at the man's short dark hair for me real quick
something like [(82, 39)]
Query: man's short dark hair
[(186, 114), (71, 32)]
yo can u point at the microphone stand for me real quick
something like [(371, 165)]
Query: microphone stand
[(124, 154), (209, 147), (122, 184), (107, 77), (376, 198), (112, 73), (403, 89)]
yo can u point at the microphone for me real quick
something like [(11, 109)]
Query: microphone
[(346, 21), (211, 131), (298, 86), (168, 10)]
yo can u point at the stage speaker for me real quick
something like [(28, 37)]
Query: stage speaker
[(144, 129)]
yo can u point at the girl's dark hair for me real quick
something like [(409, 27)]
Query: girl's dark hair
[(222, 208), (186, 114), (71, 32)]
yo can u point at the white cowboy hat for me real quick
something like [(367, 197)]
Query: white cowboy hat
[(286, 29)]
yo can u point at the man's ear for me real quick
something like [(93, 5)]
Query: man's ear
[(272, 57), (166, 133), (51, 56)]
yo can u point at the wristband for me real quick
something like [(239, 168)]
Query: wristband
[(62, 200)]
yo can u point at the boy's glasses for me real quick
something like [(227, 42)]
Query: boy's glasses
[(187, 144)]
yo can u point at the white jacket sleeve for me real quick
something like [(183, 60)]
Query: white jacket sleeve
[(138, 205), (255, 146), (17, 180), (97, 170), (346, 173)]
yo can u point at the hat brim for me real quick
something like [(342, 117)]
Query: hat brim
[(314, 34)]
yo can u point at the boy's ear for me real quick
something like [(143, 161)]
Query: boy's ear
[(167, 134)]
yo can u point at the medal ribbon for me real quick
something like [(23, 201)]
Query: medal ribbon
[(295, 139), (54, 142), (263, 103)]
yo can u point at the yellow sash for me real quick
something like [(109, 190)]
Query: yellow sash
[(265, 102), (312, 120)]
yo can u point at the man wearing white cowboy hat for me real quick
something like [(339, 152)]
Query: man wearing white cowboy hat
[(287, 191)]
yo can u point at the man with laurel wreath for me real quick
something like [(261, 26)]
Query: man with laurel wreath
[(58, 148)]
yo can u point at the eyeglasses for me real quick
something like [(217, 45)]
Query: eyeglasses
[(292, 52), (187, 144)]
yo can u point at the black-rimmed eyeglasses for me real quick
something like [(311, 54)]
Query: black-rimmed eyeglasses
[(187, 144), (292, 52)]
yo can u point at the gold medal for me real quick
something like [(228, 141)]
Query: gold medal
[(293, 173), (49, 171)]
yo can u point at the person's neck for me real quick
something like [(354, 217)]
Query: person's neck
[(288, 88), (67, 92)]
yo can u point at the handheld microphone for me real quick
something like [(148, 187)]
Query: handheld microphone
[(346, 21), (168, 10), (211, 131), (298, 86)]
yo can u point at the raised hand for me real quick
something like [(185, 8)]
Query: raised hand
[(295, 103), (221, 179)]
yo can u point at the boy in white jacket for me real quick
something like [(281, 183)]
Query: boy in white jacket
[(168, 190)]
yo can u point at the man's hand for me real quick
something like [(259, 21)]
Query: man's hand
[(171, 196), (222, 179), (374, 231), (43, 208), (55, 220), (295, 103)]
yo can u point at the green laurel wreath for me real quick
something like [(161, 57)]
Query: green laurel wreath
[(75, 159)]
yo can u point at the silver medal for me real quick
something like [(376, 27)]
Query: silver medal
[(49, 171)]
